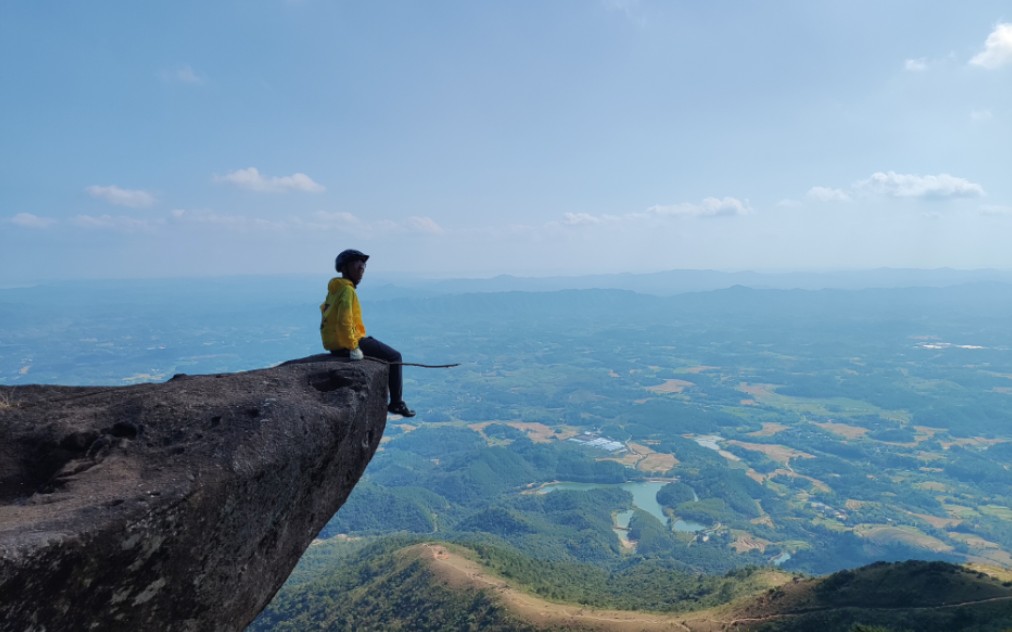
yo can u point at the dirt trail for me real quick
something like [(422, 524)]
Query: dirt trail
[(459, 571)]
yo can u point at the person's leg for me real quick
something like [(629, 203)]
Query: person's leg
[(376, 349)]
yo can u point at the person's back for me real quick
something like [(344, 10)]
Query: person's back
[(341, 324)]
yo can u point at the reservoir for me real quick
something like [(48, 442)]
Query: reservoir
[(644, 495)]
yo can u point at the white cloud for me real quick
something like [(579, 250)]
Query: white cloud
[(903, 185), (584, 219), (133, 198), (996, 210), (629, 8), (342, 220), (916, 65), (318, 222), (997, 48), (332, 220), (234, 222), (827, 194), (788, 203), (251, 178), (709, 207), (424, 225), (123, 223), (28, 220), (183, 74), (981, 115)]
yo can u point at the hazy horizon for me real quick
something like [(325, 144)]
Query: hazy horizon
[(658, 282)]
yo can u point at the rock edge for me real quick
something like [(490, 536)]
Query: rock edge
[(175, 506)]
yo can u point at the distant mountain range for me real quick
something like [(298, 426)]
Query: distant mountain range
[(681, 281), (666, 283)]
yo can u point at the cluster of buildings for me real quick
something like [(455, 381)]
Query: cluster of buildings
[(828, 511)]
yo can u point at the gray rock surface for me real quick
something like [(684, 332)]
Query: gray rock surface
[(175, 506)]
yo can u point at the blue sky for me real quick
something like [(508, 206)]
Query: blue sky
[(476, 138)]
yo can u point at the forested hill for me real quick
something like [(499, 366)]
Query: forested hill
[(433, 586)]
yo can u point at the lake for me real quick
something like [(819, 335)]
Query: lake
[(644, 495)]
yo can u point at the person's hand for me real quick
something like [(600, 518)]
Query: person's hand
[(356, 354)]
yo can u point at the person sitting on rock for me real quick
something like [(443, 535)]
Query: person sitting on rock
[(343, 332)]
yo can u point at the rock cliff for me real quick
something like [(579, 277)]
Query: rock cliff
[(175, 506)]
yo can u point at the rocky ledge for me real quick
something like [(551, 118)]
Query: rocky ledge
[(175, 506)]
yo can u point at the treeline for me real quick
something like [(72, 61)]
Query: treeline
[(656, 585), (909, 595), (379, 590), (386, 585)]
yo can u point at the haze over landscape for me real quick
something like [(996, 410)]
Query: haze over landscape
[(480, 138), (726, 287)]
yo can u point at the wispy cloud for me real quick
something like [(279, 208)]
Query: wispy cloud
[(28, 220), (251, 179), (916, 65), (981, 115), (338, 218), (117, 222), (997, 48), (708, 207), (827, 194), (995, 210), (133, 198), (228, 221), (318, 222), (424, 225), (629, 8), (586, 219), (183, 74), (344, 221), (903, 185)]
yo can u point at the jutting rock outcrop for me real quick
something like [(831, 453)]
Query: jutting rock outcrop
[(175, 506)]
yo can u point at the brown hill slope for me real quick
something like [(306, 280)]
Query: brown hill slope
[(902, 596)]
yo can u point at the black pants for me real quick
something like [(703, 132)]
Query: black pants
[(376, 349)]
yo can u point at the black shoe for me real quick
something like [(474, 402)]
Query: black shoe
[(400, 408)]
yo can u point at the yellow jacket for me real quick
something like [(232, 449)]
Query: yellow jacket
[(341, 326)]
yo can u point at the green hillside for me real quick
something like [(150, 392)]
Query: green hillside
[(898, 596), (384, 588), (393, 584)]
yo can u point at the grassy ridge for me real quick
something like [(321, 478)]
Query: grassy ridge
[(391, 584), (910, 595)]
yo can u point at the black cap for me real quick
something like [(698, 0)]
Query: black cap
[(348, 256)]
